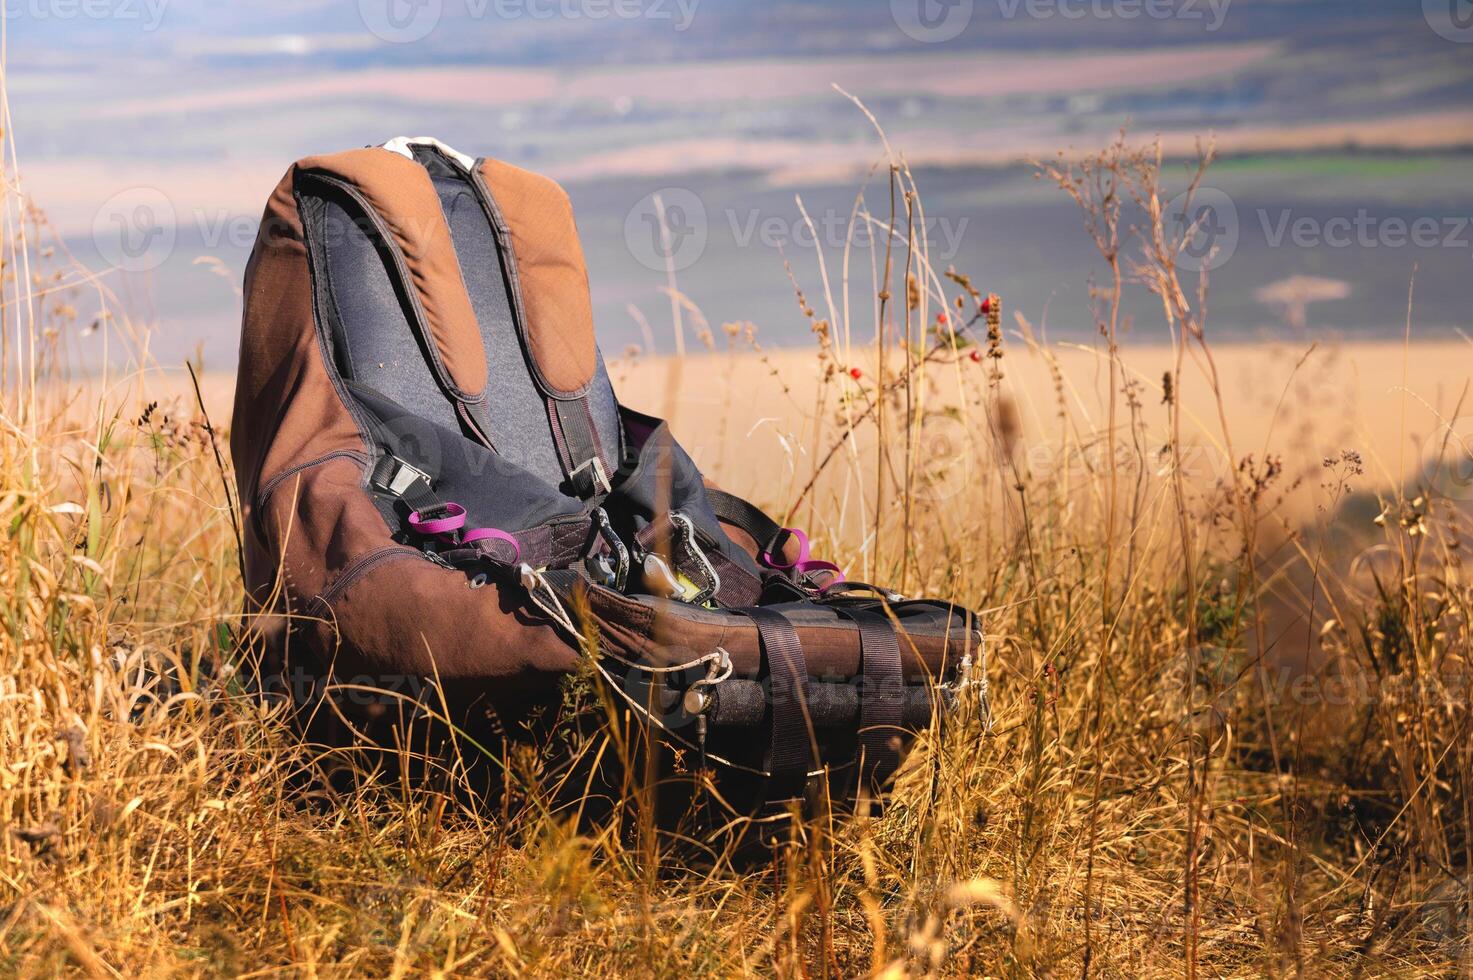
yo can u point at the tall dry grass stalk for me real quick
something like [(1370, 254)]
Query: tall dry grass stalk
[(1148, 796)]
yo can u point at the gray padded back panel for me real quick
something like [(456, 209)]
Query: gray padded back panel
[(520, 430), (515, 406), (372, 339)]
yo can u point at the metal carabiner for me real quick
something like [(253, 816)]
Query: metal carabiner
[(697, 702), (605, 529), (688, 540)]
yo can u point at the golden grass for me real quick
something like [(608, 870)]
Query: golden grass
[(1218, 745)]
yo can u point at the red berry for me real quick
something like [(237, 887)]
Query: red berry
[(855, 373), (986, 305), (941, 318), (976, 357)]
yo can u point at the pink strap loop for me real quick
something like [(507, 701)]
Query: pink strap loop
[(805, 565), (445, 529), (452, 522), (771, 562), (494, 534), (809, 567)]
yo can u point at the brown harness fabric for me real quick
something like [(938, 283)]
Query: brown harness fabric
[(552, 277)]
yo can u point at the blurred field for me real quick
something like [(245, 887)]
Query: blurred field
[(1385, 399)]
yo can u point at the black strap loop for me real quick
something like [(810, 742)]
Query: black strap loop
[(737, 512), (881, 696), (794, 745)]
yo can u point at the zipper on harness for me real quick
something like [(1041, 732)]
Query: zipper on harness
[(358, 568)]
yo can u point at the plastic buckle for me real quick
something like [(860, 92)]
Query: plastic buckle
[(403, 478), (595, 474)]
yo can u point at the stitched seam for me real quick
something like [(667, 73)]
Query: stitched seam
[(273, 484), (507, 246)]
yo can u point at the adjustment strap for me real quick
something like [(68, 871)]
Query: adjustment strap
[(739, 587), (771, 538), (393, 476), (549, 547), (578, 447), (749, 517), (793, 743), (881, 694)]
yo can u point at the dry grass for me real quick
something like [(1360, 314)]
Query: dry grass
[(1153, 796)]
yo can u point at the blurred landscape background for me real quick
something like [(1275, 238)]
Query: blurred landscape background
[(1223, 574), (151, 131)]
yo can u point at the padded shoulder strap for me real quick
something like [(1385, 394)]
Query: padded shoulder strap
[(400, 193), (537, 219)]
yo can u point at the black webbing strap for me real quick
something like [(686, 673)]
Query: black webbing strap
[(478, 415), (793, 744), (882, 694), (739, 513), (553, 546), (565, 582), (393, 476), (739, 587), (582, 456)]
